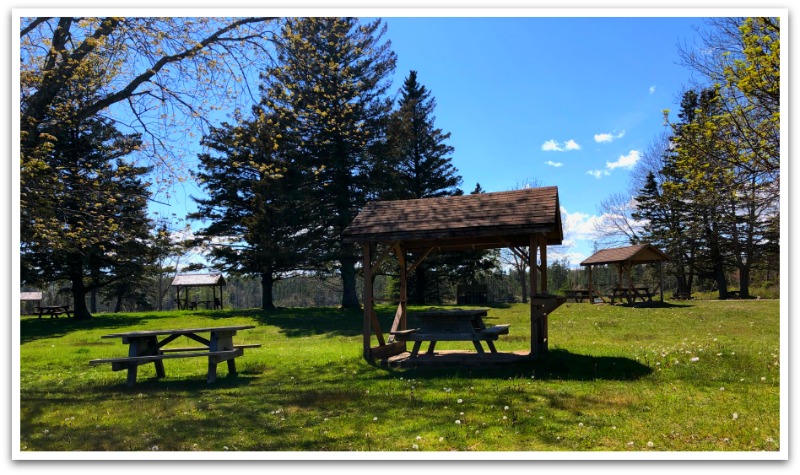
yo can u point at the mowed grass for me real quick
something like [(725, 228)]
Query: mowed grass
[(696, 376)]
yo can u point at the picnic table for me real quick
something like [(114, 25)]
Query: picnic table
[(53, 310), (149, 346), (580, 295), (631, 294), (451, 325)]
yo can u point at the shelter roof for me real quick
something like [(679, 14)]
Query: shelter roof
[(198, 280), (639, 254), (30, 296), (479, 221)]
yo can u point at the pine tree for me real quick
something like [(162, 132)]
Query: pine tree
[(256, 202), (417, 149), (327, 96)]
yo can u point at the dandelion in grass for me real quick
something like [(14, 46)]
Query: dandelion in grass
[(458, 422), (695, 359), (735, 416), (763, 378), (505, 417), (419, 437), (460, 401), (415, 447), (375, 418), (505, 408), (580, 424), (650, 444)]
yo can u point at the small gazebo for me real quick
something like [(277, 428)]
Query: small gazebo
[(625, 258), (183, 282), (526, 221)]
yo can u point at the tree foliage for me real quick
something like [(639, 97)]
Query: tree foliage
[(327, 97)]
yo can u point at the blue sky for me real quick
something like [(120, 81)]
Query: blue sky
[(570, 102)]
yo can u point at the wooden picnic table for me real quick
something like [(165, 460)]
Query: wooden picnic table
[(149, 346), (53, 310), (452, 325), (580, 295), (631, 294)]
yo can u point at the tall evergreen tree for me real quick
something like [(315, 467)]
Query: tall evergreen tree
[(417, 150), (256, 203), (327, 96)]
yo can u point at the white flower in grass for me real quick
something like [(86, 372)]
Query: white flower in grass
[(419, 437), (580, 424), (650, 443), (225, 447), (696, 358), (722, 389), (630, 444), (460, 401), (415, 447), (505, 417), (441, 439), (763, 378), (375, 418), (735, 416), (154, 448), (458, 422), (505, 408)]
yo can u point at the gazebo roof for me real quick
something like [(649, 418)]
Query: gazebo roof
[(479, 221), (30, 296), (639, 254), (198, 280)]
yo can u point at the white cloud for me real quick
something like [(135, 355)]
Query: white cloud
[(608, 137), (625, 161), (652, 89), (572, 145), (553, 164), (597, 173), (553, 146)]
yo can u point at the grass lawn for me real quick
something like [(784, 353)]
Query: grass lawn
[(694, 376)]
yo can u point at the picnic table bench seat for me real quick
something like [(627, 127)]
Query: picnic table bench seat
[(414, 334)]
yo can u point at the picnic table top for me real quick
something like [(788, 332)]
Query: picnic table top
[(181, 331)]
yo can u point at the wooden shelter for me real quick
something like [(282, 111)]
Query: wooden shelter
[(186, 281), (625, 258), (526, 221)]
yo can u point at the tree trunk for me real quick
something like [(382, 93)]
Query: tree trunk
[(118, 305), (744, 282), (80, 311), (523, 280), (349, 294), (267, 282)]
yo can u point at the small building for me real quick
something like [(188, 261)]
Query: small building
[(25, 297), (185, 282)]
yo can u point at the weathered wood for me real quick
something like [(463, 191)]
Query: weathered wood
[(404, 332), (151, 358), (204, 348), (182, 331), (387, 350), (501, 329), (368, 296)]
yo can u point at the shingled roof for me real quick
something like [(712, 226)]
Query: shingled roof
[(479, 221), (198, 280), (639, 254)]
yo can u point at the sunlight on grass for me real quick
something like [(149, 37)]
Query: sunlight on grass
[(697, 376)]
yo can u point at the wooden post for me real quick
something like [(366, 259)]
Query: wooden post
[(534, 308), (401, 260), (368, 297), (543, 258), (591, 285), (661, 279)]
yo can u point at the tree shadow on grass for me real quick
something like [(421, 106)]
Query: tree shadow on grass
[(32, 329), (557, 364), (655, 304), (303, 322)]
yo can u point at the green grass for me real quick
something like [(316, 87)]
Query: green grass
[(695, 376)]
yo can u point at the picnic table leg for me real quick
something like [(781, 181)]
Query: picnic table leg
[(133, 368), (490, 344), (232, 367), (212, 370), (415, 350), (431, 347), (478, 346)]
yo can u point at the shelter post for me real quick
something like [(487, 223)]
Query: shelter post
[(368, 296)]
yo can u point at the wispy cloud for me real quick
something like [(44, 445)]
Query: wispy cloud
[(608, 137), (598, 173), (554, 146), (553, 164), (652, 89), (625, 161)]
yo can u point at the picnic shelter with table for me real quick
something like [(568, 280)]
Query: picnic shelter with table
[(525, 221), (186, 282), (625, 258), (150, 346)]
